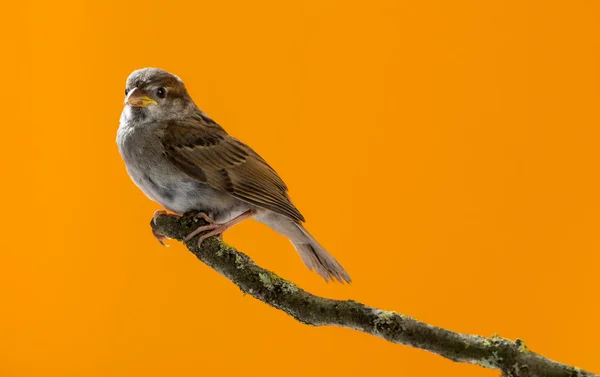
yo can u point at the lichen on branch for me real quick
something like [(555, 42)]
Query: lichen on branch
[(511, 357)]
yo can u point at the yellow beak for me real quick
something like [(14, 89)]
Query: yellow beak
[(137, 98)]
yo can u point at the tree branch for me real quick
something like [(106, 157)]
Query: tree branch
[(512, 358)]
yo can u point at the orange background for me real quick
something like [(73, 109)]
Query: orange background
[(444, 151)]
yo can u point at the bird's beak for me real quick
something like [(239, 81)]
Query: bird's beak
[(137, 98)]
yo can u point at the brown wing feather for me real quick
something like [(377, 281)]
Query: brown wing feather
[(204, 151)]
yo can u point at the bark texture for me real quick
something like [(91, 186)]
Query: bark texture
[(512, 358)]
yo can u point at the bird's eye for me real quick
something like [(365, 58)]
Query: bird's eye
[(126, 91), (161, 92)]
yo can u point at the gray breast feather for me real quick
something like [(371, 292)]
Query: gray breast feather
[(162, 182)]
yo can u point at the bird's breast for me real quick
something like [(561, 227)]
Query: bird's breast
[(161, 181)]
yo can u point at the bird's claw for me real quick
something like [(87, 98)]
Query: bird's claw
[(160, 238), (215, 229), (203, 216), (160, 212), (157, 214)]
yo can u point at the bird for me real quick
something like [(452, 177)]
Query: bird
[(182, 159)]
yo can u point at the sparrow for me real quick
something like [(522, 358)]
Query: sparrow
[(185, 161)]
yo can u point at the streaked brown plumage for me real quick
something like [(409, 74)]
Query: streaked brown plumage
[(202, 149)]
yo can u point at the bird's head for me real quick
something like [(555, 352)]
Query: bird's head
[(153, 94)]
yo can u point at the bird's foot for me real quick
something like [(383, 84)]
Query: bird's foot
[(203, 216), (217, 229), (214, 229), (158, 213), (160, 238), (208, 219)]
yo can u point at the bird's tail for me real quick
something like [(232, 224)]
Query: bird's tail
[(315, 256), (312, 253)]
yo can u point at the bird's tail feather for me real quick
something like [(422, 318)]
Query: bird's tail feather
[(312, 253), (316, 257)]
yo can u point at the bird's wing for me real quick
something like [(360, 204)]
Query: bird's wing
[(204, 151)]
